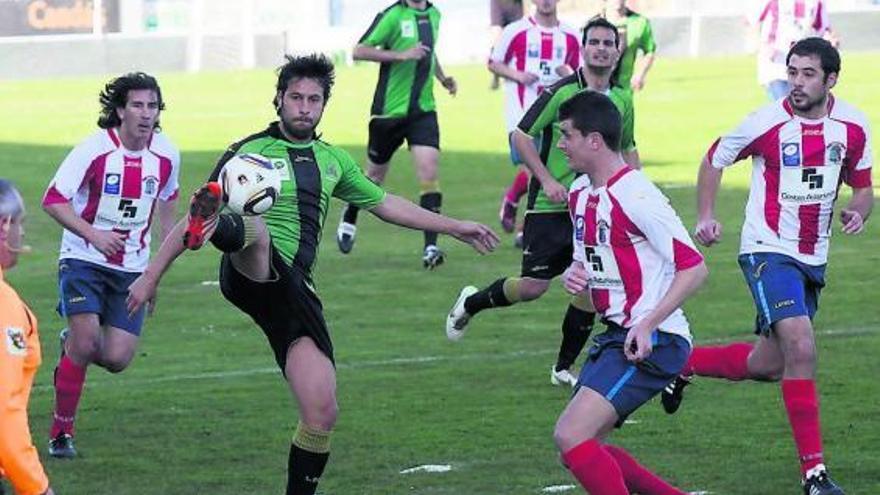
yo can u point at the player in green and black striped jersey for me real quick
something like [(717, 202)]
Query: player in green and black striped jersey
[(402, 39), (266, 268)]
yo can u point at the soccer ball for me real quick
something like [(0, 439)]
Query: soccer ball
[(250, 184)]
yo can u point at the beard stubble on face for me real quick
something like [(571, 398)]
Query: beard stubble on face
[(298, 132)]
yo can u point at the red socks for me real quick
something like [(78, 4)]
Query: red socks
[(69, 380), (638, 478), (729, 361), (802, 405), (518, 188), (595, 469)]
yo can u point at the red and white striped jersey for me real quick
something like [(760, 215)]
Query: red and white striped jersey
[(797, 168), (782, 23), (528, 47), (113, 188), (631, 243)]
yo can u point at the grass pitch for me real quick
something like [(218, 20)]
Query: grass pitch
[(202, 408)]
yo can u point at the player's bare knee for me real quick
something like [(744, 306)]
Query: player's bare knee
[(532, 289), (84, 350), (321, 415), (800, 354), (115, 365), (766, 372), (567, 434)]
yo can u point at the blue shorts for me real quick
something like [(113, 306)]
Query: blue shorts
[(515, 159), (782, 287), (89, 288), (627, 385)]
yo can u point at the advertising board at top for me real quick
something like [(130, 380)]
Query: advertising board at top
[(41, 17)]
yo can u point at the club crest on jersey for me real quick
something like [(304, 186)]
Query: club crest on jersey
[(602, 232), (579, 225), (280, 165), (407, 29), (791, 154), (15, 341), (332, 171), (835, 152), (151, 185), (112, 183), (560, 52)]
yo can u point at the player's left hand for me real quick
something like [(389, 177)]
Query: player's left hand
[(480, 237), (637, 346), (450, 85), (637, 83), (141, 291), (852, 221)]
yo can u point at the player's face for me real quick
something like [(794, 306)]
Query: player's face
[(139, 115), (301, 107), (545, 7), (600, 48), (809, 86), (12, 235), (576, 147)]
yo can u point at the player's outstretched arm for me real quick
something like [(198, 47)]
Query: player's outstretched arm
[(708, 230), (685, 282), (143, 289), (399, 211)]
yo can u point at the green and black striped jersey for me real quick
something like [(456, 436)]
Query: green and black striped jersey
[(310, 174), (407, 87)]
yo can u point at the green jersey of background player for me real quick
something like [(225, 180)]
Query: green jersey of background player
[(547, 233), (402, 39), (635, 35), (266, 266)]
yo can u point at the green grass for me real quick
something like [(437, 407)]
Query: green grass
[(202, 409)]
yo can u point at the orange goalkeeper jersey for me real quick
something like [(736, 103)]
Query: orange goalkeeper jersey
[(19, 360)]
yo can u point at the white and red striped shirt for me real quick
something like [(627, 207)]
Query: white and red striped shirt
[(528, 47), (631, 243), (797, 167), (113, 188), (782, 23)]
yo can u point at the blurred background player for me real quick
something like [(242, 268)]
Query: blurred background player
[(802, 147), (266, 268), (20, 357), (547, 230), (502, 13), (531, 54), (105, 194), (402, 40), (634, 259), (635, 36), (779, 24)]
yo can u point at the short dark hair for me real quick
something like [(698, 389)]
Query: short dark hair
[(599, 21), (828, 55), (115, 95), (590, 111), (313, 66)]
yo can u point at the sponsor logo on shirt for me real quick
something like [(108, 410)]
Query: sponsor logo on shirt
[(15, 342), (533, 50), (791, 154), (332, 171), (112, 183), (579, 227)]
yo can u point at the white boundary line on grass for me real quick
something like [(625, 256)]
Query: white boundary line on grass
[(214, 375)]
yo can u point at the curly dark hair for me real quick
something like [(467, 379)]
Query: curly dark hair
[(313, 66), (115, 95)]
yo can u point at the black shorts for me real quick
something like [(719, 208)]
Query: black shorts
[(285, 306), (547, 247), (388, 133)]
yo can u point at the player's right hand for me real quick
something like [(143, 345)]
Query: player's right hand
[(554, 190), (141, 291), (480, 237), (417, 52), (108, 242), (707, 232), (575, 278), (527, 78)]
